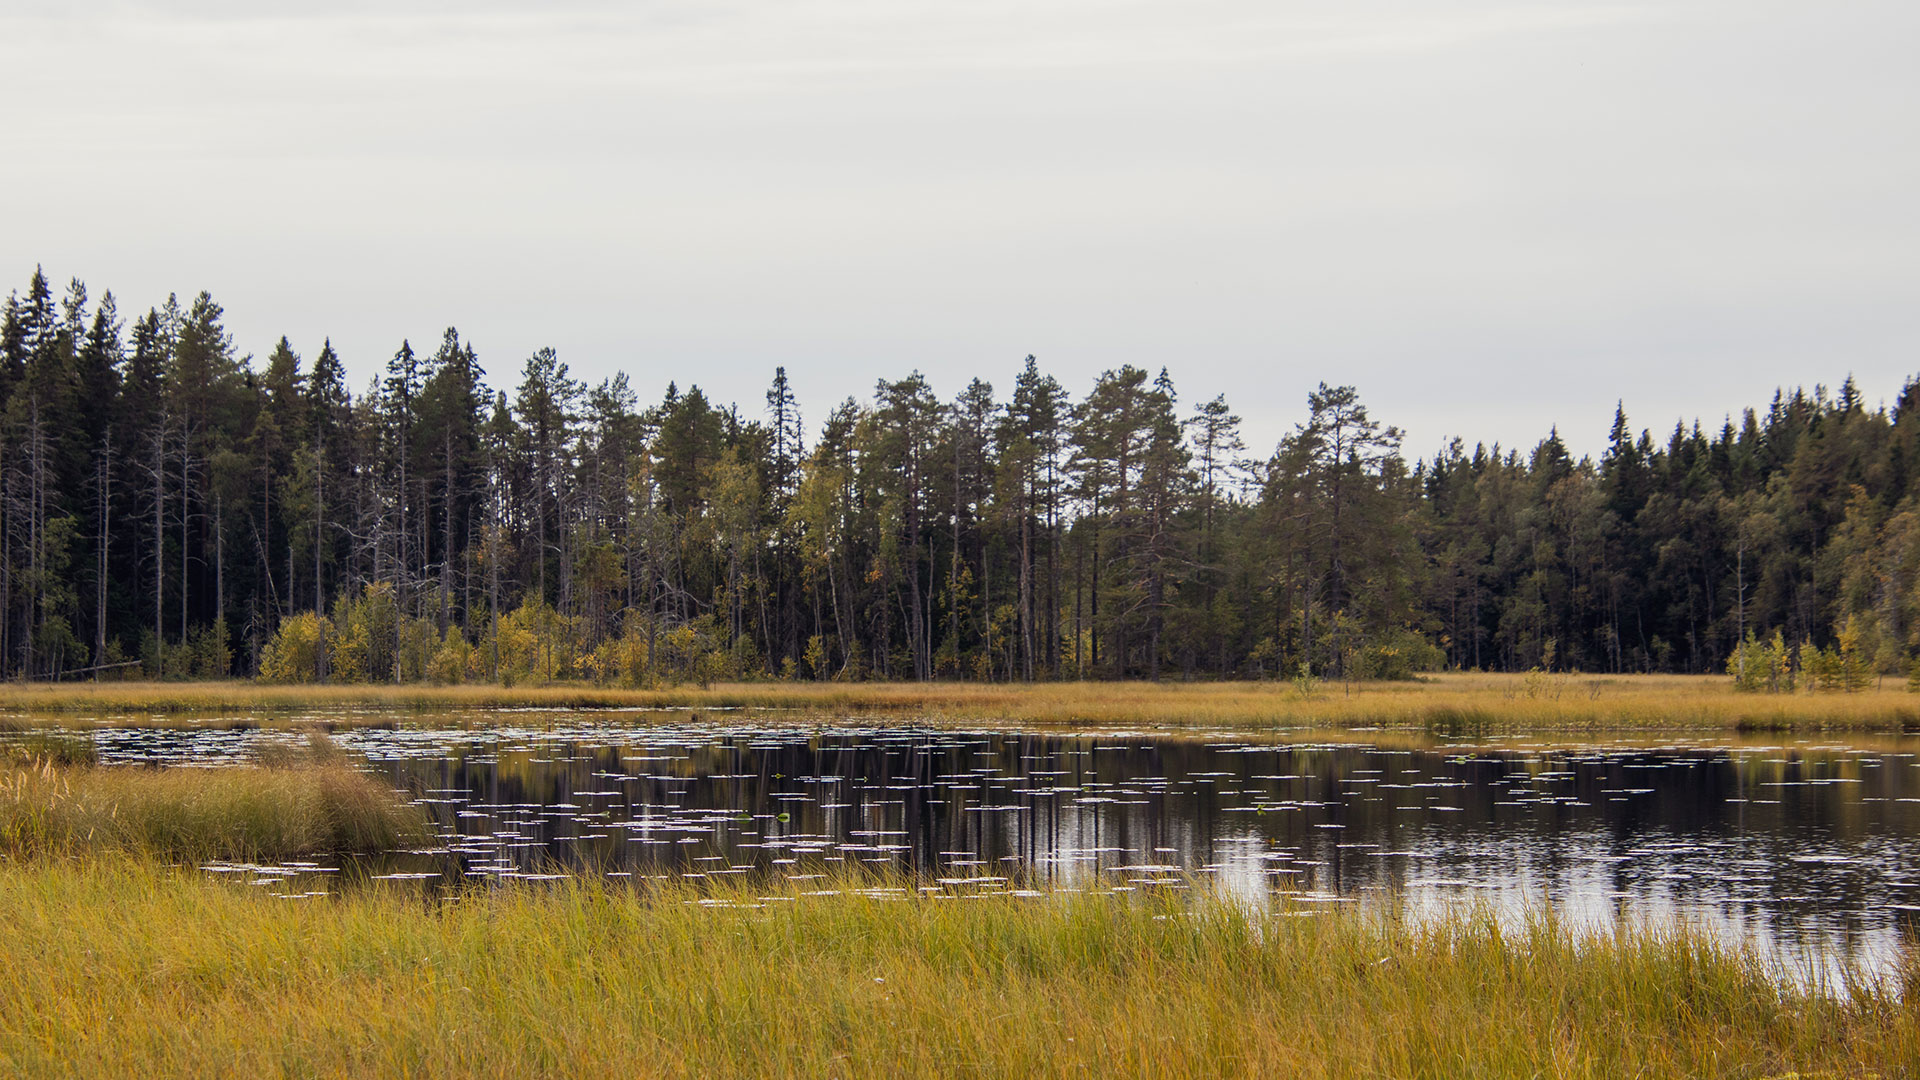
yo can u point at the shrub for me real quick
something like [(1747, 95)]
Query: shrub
[(297, 653), (210, 651), (536, 644), (1399, 654), (1762, 666), (451, 661), (816, 657), (1855, 659)]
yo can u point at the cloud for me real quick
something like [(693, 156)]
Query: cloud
[(1490, 216)]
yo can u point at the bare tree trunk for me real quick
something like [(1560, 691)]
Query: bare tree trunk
[(466, 583), (6, 567), (399, 580), (540, 517), (446, 552), (1026, 588), (319, 528), (100, 593), (493, 586), (186, 491), (159, 538), (266, 541), (916, 626), (1093, 599), (1079, 578), (36, 518), (219, 563), (953, 564)]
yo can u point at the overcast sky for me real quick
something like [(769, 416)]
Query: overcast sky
[(1490, 218)]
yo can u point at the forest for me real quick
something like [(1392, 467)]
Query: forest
[(173, 508)]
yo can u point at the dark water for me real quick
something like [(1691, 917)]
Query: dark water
[(1813, 851)]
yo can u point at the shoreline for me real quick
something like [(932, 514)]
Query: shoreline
[(1451, 705)]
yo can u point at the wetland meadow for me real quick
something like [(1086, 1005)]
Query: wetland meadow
[(1053, 539), (1468, 875)]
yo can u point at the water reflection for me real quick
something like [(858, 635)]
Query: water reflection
[(1809, 848)]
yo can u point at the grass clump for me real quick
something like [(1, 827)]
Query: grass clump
[(36, 747), (131, 969), (243, 812)]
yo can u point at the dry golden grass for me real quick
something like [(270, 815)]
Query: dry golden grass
[(129, 969), (228, 813), (1453, 704)]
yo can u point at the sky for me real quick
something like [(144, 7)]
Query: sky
[(1490, 218)]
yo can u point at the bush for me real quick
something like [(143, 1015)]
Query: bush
[(114, 662), (297, 653), (1846, 667), (451, 661), (816, 657), (1762, 666), (536, 644), (56, 641), (1819, 668), (1856, 659), (210, 651), (372, 640), (620, 661), (362, 645), (1398, 654)]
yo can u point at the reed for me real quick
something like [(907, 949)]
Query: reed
[(1446, 705), (227, 813), (113, 968)]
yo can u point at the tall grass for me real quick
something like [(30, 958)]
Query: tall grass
[(1455, 704), (40, 746), (237, 813), (129, 969)]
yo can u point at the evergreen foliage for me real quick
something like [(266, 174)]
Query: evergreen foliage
[(166, 497)]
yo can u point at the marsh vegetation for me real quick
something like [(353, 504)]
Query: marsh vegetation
[(303, 807), (1455, 704), (771, 879), (868, 977)]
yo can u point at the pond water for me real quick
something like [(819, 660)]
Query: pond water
[(1812, 850)]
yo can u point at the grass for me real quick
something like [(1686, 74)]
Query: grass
[(115, 968), (246, 812), (113, 962), (1448, 705)]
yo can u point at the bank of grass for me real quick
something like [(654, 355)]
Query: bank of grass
[(49, 809), (1451, 704), (126, 968)]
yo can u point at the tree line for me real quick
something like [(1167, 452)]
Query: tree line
[(171, 507)]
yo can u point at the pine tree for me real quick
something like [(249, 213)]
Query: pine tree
[(99, 386), (450, 429), (545, 410)]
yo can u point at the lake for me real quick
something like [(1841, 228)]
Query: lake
[(1809, 849)]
